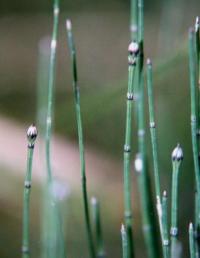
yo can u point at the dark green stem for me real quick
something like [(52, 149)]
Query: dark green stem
[(80, 137)]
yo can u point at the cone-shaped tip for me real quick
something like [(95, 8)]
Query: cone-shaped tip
[(177, 153), (32, 134), (149, 61), (123, 229), (190, 226), (197, 23), (94, 201), (68, 24), (164, 193), (133, 48)]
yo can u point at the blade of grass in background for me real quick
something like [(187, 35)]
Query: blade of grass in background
[(31, 135), (80, 137), (51, 88), (177, 157)]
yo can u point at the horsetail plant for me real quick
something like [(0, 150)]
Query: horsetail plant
[(51, 88), (192, 242), (31, 136), (100, 250), (124, 242), (148, 218), (134, 20), (133, 53), (165, 235), (177, 157), (80, 137)]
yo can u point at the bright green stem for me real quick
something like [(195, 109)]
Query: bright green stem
[(165, 240), (26, 205), (153, 127), (191, 241), (98, 228), (127, 157), (80, 137), (124, 242), (134, 20), (51, 88), (174, 207)]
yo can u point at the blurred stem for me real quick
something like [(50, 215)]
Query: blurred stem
[(51, 88), (165, 226), (26, 205), (98, 228), (124, 242), (134, 20), (191, 241), (80, 137)]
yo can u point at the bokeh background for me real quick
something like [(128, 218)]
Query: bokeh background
[(101, 31)]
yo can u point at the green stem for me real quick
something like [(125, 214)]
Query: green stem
[(165, 241), (177, 156), (124, 242), (191, 241), (51, 88), (134, 20), (127, 155), (98, 228), (80, 137), (27, 191)]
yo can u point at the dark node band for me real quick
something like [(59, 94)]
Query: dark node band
[(127, 148)]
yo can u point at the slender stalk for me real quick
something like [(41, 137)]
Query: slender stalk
[(152, 125), (177, 156), (51, 88), (31, 135), (133, 51), (124, 242), (193, 93), (134, 20), (80, 137), (191, 241), (148, 218), (165, 243), (197, 50), (98, 228)]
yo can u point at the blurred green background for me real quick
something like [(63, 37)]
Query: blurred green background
[(101, 30)]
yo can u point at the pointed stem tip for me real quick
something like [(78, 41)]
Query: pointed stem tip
[(177, 153), (149, 62), (68, 24)]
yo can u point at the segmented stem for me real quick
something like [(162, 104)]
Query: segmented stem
[(80, 137), (134, 20), (51, 88), (165, 240), (27, 192)]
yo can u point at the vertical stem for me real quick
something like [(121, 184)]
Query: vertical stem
[(152, 125), (98, 228), (177, 156), (51, 88), (31, 135), (124, 242), (127, 152), (148, 218), (194, 126), (134, 20), (80, 137), (191, 241), (165, 226)]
